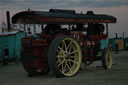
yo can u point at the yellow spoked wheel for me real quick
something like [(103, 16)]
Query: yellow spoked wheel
[(64, 56), (107, 59)]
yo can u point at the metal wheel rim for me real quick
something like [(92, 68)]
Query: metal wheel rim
[(68, 57), (108, 59)]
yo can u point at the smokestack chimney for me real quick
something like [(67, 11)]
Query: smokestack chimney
[(116, 35), (8, 20)]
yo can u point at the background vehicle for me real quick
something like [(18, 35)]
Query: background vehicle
[(60, 49)]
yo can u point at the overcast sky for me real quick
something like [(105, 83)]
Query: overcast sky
[(117, 8)]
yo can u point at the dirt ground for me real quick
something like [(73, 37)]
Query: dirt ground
[(14, 74)]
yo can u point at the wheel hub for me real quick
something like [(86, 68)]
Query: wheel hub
[(67, 56)]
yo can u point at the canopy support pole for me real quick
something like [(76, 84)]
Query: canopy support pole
[(107, 28)]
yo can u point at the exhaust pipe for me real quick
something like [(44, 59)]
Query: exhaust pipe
[(8, 21)]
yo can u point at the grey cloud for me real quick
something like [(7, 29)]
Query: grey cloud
[(95, 3), (23, 4), (68, 3), (46, 4)]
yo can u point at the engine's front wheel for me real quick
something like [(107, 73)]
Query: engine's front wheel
[(29, 65), (107, 58), (64, 56)]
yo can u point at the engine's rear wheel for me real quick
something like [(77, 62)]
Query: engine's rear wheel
[(64, 56), (107, 59)]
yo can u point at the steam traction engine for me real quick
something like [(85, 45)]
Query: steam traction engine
[(67, 40)]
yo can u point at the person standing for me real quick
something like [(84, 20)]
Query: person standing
[(6, 54), (117, 48)]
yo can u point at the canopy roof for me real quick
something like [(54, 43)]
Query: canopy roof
[(60, 17)]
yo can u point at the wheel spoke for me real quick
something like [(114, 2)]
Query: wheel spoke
[(64, 44), (70, 48), (60, 56), (107, 63), (57, 50), (69, 64), (69, 45), (64, 68), (73, 52), (60, 59), (61, 49), (69, 68), (72, 56), (73, 61), (61, 62)]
